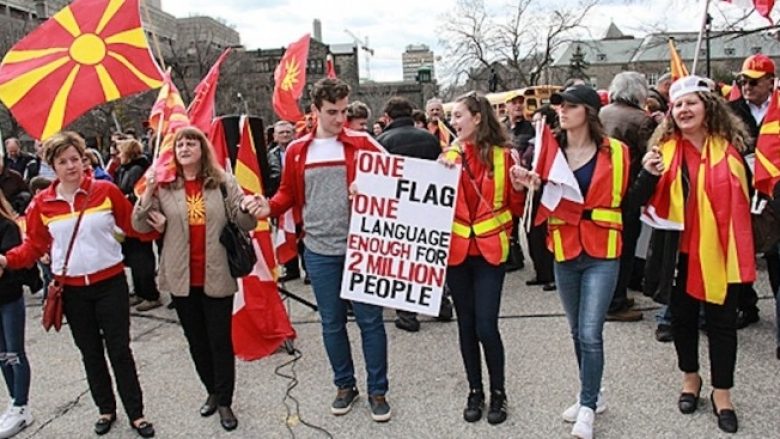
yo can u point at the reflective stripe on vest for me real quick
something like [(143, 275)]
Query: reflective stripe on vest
[(617, 195), (500, 219)]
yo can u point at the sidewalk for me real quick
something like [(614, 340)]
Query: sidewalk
[(427, 381)]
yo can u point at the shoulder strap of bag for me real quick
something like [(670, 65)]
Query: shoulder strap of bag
[(223, 189), (75, 231)]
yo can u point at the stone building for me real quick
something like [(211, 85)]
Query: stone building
[(415, 57)]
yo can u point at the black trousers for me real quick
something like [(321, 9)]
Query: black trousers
[(721, 323), (139, 256), (541, 256), (99, 315), (476, 287), (632, 227), (207, 326)]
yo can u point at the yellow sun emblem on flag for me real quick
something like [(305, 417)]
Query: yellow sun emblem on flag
[(88, 53), (196, 209), (291, 72)]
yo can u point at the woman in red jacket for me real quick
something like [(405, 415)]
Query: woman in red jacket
[(94, 287), (487, 199)]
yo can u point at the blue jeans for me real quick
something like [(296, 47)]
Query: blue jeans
[(325, 273), (16, 368), (585, 285), (476, 292)]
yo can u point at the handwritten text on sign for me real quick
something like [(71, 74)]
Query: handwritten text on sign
[(399, 233)]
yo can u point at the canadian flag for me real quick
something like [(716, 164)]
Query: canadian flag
[(561, 196), (285, 241)]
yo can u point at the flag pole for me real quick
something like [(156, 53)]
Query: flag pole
[(701, 34), (155, 40)]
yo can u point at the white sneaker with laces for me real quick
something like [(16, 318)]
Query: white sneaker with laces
[(17, 418), (583, 428), (570, 414)]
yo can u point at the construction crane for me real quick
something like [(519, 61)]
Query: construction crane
[(363, 44)]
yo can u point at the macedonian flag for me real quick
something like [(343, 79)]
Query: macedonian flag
[(767, 172), (289, 80), (89, 53), (677, 66)]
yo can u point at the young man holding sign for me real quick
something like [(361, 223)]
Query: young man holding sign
[(318, 170)]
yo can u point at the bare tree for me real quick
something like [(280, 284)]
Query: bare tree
[(521, 38)]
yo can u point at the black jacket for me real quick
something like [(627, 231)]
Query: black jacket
[(128, 174), (403, 138), (11, 281), (742, 110), (274, 170)]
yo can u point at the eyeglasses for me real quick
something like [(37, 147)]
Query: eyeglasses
[(749, 81)]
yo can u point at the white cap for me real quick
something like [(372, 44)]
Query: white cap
[(688, 84)]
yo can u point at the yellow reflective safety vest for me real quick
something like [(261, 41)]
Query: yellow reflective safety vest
[(599, 232), (491, 225)]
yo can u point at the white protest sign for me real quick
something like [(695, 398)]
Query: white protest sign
[(399, 232)]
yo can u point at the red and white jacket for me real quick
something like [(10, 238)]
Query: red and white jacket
[(291, 189), (97, 253)]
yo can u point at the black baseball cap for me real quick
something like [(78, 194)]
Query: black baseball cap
[(577, 94)]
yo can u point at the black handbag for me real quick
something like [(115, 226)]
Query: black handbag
[(238, 244)]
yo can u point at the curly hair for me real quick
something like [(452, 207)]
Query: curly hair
[(719, 120)]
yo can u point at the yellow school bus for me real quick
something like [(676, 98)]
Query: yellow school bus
[(535, 97)]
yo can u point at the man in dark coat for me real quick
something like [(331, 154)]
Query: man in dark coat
[(403, 138)]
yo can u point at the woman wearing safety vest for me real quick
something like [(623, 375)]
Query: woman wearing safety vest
[(701, 205), (586, 246), (486, 201)]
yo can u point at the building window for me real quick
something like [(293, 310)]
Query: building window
[(652, 79), (315, 66), (729, 51), (601, 57), (756, 49)]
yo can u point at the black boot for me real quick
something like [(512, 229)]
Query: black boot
[(497, 411), (474, 406)]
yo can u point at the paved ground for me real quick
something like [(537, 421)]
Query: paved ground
[(428, 384)]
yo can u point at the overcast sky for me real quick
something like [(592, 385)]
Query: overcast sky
[(392, 25)]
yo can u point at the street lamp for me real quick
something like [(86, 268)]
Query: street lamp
[(423, 77)]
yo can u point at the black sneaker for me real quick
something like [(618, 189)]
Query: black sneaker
[(380, 409), (663, 333), (497, 412), (407, 321), (345, 398), (474, 405), (445, 310), (746, 318)]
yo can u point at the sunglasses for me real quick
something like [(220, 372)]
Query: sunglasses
[(749, 81)]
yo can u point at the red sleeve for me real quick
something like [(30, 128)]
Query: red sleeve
[(284, 198), (123, 211), (37, 240)]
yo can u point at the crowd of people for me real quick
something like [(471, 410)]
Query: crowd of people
[(647, 162)]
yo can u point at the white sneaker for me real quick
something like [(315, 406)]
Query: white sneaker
[(7, 409), (583, 428), (15, 420), (570, 414)]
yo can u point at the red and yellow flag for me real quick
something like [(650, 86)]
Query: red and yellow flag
[(260, 322), (767, 172), (202, 108), (678, 68), (290, 79), (721, 236), (89, 53), (167, 117)]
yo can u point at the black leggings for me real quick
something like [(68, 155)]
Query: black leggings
[(476, 287)]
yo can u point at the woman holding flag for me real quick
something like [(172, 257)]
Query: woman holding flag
[(701, 201), (191, 212), (585, 224), (487, 199)]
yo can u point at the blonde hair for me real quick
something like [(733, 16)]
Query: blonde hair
[(210, 172), (129, 149), (6, 211), (719, 120)]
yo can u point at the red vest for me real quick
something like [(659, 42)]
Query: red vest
[(599, 232), (492, 222)]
